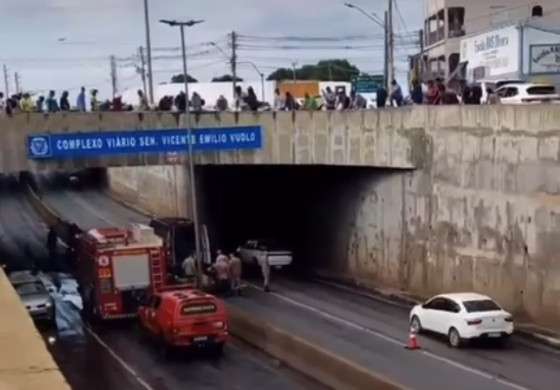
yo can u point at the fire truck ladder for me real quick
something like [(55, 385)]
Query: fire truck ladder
[(157, 270)]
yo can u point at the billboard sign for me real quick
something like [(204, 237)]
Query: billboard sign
[(368, 84), (544, 58), (111, 143), (496, 51)]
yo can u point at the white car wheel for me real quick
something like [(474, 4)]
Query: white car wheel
[(416, 325), (454, 338)]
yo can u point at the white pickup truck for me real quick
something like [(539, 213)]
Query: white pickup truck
[(253, 251)]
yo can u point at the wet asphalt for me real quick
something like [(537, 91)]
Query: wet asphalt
[(368, 331), (116, 356)]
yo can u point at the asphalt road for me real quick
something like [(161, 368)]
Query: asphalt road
[(373, 332), (240, 368), (368, 331)]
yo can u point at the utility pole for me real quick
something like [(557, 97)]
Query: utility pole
[(16, 82), (6, 82), (421, 62), (386, 56), (149, 50), (391, 55), (113, 61), (262, 86), (142, 69), (234, 61), (294, 71), (192, 178)]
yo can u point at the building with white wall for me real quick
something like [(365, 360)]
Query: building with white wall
[(447, 22), (526, 51)]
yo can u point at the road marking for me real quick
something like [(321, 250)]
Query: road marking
[(120, 360), (392, 340)]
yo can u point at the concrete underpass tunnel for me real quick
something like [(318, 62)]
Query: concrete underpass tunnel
[(311, 209)]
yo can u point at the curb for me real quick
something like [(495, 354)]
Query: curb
[(305, 357), (544, 338)]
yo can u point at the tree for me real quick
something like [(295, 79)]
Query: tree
[(226, 78), (179, 78), (326, 70)]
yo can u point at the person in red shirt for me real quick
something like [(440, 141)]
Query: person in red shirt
[(433, 95)]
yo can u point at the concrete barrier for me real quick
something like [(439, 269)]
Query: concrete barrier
[(25, 363), (301, 355)]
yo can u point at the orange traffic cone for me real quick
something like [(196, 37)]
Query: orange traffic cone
[(412, 341)]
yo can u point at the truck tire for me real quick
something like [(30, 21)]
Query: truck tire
[(218, 350)]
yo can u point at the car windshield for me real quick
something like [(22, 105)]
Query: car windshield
[(30, 289), (271, 244), (481, 305), (542, 90), (198, 308)]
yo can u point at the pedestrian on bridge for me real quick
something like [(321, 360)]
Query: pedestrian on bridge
[(94, 101), (81, 100), (64, 102), (52, 105)]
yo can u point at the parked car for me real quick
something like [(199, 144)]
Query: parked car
[(462, 317), (37, 300), (253, 251), (493, 85), (186, 318), (527, 94), (20, 277)]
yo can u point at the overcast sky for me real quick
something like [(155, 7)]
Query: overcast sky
[(63, 44)]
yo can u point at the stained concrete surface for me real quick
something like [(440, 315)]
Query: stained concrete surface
[(480, 212)]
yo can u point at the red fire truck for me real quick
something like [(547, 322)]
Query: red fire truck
[(117, 268)]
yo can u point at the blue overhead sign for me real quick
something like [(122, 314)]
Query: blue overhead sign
[(109, 143)]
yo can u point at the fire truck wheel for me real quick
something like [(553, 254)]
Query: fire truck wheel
[(164, 348), (218, 350)]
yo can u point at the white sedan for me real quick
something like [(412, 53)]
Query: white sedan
[(462, 317), (527, 94)]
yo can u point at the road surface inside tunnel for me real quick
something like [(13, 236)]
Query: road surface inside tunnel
[(308, 209), (135, 360)]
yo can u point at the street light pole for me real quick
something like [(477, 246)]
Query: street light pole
[(192, 177), (149, 52)]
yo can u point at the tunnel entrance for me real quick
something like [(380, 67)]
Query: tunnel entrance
[(310, 209)]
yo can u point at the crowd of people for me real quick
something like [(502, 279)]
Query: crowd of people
[(225, 273), (434, 92), (24, 102)]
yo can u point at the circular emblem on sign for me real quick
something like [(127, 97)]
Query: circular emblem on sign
[(39, 146), (103, 261)]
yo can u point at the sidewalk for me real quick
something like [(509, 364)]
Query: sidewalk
[(25, 363), (406, 300)]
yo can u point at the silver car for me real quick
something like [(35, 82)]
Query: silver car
[(37, 300)]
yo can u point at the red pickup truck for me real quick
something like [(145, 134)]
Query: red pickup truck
[(186, 318)]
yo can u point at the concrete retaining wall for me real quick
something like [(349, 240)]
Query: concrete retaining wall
[(481, 213), (25, 363), (360, 139)]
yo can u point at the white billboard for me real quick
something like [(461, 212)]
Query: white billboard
[(544, 58), (492, 54)]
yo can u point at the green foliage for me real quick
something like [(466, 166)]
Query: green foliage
[(226, 77), (179, 78), (326, 70)]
